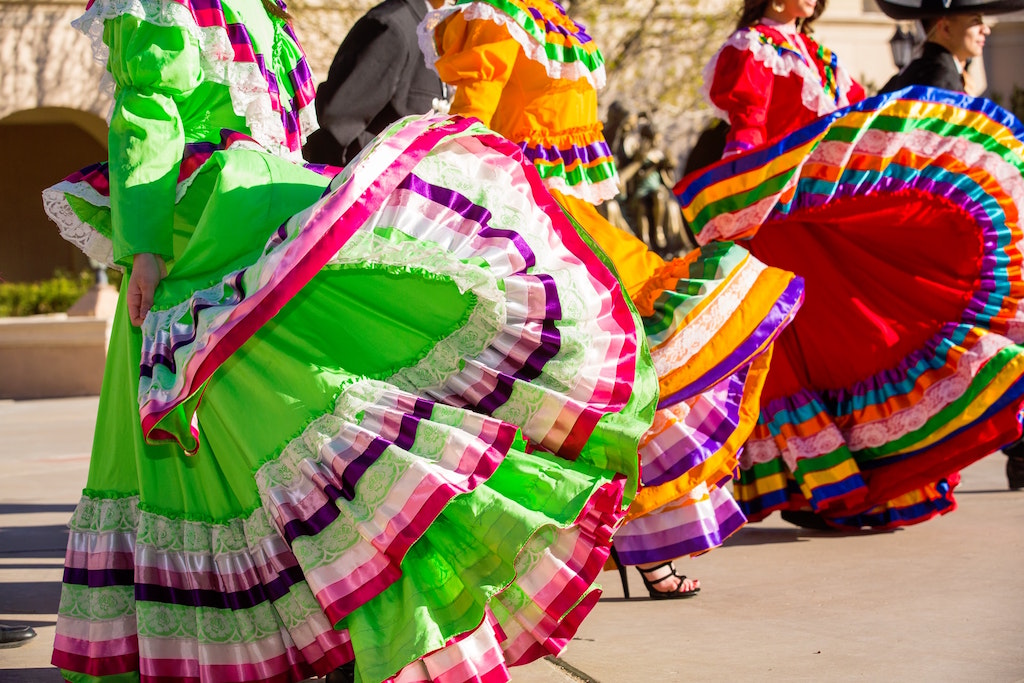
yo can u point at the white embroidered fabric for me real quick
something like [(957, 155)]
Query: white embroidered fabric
[(532, 48), (250, 96), (812, 95)]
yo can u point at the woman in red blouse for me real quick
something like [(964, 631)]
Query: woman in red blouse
[(771, 77), (901, 212)]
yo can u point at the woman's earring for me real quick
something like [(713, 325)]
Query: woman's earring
[(778, 7)]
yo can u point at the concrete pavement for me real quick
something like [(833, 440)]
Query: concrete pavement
[(942, 601)]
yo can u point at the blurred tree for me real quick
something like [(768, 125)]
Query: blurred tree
[(656, 51)]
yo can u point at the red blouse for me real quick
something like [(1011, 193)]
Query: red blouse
[(767, 83)]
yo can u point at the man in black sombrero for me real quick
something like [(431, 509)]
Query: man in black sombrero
[(955, 34)]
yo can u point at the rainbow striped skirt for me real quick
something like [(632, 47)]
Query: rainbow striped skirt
[(902, 214)]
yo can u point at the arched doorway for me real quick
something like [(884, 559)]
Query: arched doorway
[(39, 147)]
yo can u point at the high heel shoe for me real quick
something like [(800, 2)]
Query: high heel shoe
[(666, 595), (1015, 472), (654, 593)]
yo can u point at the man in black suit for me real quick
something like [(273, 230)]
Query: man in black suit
[(377, 77), (952, 41)]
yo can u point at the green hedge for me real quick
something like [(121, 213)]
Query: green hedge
[(55, 295)]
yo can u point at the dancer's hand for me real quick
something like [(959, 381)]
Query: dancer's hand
[(147, 271)]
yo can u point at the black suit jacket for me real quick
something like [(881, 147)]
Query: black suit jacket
[(378, 76), (935, 67)]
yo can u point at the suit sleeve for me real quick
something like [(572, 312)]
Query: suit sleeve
[(742, 87), (377, 65), (476, 57), (152, 67)]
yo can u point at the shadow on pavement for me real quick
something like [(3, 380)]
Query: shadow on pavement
[(754, 536), (38, 597), (28, 509), (34, 623), (57, 563), (34, 541), (960, 492), (47, 675)]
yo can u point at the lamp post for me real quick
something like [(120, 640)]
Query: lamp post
[(902, 46)]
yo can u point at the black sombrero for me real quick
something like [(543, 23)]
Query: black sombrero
[(920, 9)]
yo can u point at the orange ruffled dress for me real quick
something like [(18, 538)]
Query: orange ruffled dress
[(531, 73)]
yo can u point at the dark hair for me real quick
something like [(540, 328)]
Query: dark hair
[(928, 23), (275, 9), (753, 11)]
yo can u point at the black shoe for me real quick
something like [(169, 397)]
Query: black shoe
[(665, 595), (1015, 472), (806, 519), (346, 673), (13, 636), (651, 590)]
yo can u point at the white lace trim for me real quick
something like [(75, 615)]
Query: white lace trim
[(936, 397), (93, 244), (250, 97), (879, 144), (698, 332), (879, 432), (594, 193), (812, 95), (532, 48)]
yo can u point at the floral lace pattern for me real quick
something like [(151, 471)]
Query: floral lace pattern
[(92, 243), (676, 351)]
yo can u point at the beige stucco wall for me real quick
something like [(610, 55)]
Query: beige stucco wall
[(46, 63), (860, 37), (1004, 56)]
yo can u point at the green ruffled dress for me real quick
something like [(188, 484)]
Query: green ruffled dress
[(388, 414)]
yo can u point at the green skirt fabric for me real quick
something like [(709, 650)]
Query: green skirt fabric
[(390, 416)]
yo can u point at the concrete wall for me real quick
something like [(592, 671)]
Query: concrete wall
[(52, 356)]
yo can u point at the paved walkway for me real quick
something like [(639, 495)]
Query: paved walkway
[(942, 601)]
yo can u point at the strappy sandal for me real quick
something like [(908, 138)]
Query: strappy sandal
[(661, 595), (654, 593)]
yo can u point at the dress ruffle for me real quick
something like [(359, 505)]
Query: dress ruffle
[(902, 213), (277, 105), (712, 322), (711, 319), (80, 204), (576, 162), (549, 38), (437, 509)]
